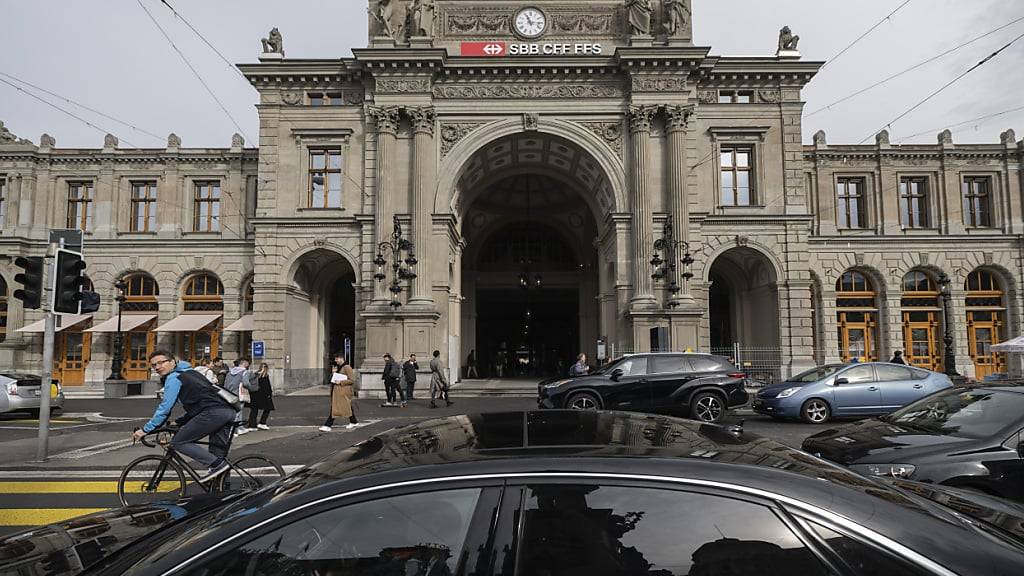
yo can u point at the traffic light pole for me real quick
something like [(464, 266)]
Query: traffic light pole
[(45, 384)]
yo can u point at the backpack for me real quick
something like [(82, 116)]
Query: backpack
[(395, 371)]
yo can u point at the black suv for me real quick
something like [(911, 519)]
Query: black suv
[(700, 386)]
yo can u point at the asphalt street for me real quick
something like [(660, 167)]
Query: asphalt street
[(89, 445)]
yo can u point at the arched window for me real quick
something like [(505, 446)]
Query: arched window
[(141, 293), (856, 317), (250, 300), (922, 317), (986, 318), (3, 310), (203, 293)]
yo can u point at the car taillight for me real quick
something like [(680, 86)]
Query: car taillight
[(736, 375), (12, 389)]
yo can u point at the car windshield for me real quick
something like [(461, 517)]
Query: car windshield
[(963, 413), (609, 366), (815, 374)]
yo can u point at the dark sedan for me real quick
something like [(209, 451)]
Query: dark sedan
[(551, 492), (970, 438), (700, 386)]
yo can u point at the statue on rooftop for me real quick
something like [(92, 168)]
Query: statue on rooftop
[(274, 44), (639, 16), (787, 41)]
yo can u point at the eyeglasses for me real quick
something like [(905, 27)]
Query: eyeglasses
[(156, 364)]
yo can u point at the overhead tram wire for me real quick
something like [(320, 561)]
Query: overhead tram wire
[(80, 105), (194, 71), (203, 38), (912, 68), (940, 90), (964, 123), (864, 35), (72, 114)]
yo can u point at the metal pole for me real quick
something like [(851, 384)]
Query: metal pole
[(117, 363), (46, 378)]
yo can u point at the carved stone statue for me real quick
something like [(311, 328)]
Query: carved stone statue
[(676, 14), (274, 44), (383, 13), (787, 41), (639, 16), (110, 141), (237, 141), (423, 17), (47, 141), (173, 140), (6, 135)]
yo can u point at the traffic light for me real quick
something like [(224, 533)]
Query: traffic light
[(31, 295), (68, 282)]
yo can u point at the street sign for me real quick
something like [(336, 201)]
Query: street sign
[(258, 349), (348, 349), (72, 238)]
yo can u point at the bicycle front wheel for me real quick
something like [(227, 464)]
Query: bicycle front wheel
[(250, 473), (150, 479)]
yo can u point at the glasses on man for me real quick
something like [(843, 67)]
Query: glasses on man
[(157, 364)]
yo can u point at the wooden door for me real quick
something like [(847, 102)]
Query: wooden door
[(196, 344), (857, 336), (983, 330), (137, 347), (921, 339), (72, 357)]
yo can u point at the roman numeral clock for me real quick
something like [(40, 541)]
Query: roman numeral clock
[(530, 22)]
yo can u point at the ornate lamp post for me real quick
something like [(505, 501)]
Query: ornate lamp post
[(949, 355), (403, 262), (118, 361), (667, 268)]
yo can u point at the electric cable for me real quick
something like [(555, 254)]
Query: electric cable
[(862, 36), (972, 120), (203, 38)]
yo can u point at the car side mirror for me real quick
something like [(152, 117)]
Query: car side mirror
[(840, 381), (1020, 449), (616, 374)]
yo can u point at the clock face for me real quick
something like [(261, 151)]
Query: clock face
[(530, 22)]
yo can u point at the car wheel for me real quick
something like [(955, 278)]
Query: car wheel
[(707, 407), (583, 401), (815, 411)]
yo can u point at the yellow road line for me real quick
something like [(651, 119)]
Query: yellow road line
[(70, 487), (37, 516)]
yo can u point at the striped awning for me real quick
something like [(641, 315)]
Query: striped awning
[(189, 323), (246, 323), (68, 321), (129, 323)]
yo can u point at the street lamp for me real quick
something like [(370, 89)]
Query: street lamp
[(118, 362), (667, 268), (403, 262), (949, 356)]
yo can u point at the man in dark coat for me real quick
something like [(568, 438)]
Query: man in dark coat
[(392, 382), (409, 368)]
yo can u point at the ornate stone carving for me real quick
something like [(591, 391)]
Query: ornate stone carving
[(640, 13), (237, 141), (173, 140), (6, 136), (741, 241), (110, 141), (386, 117), (422, 119), (133, 262), (678, 117), (787, 41), (820, 139), (882, 138), (1008, 137), (320, 242), (583, 23), (611, 132), (45, 141), (291, 98), (273, 43), (478, 23), (383, 13), (198, 260), (707, 96), (640, 118), (497, 91), (677, 16), (353, 96), (423, 17), (452, 134), (769, 96), (530, 122), (659, 84), (945, 137), (399, 85)]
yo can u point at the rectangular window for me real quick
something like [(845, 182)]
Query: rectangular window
[(3, 201), (80, 195), (143, 206), (851, 209), (206, 214), (325, 178), (730, 97), (736, 171), (320, 99), (914, 202), (977, 191)]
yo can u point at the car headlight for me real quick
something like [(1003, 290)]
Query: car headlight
[(555, 384), (12, 388), (885, 470), (788, 392)]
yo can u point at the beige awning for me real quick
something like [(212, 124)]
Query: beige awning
[(129, 322), (69, 321), (189, 323), (246, 323)]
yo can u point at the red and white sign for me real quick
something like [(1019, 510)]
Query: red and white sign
[(494, 48)]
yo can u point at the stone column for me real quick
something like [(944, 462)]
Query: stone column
[(640, 118), (422, 202), (677, 119), (387, 140)]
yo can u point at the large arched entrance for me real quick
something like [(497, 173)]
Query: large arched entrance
[(320, 315), (530, 267)]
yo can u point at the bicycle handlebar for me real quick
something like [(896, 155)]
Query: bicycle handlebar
[(156, 432)]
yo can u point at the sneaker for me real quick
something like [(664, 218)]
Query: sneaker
[(263, 427), (241, 431), (325, 428), (350, 426), (215, 471), (403, 404)]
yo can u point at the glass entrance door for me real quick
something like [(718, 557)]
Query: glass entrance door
[(71, 357), (983, 329), (856, 337), (137, 346), (921, 336)]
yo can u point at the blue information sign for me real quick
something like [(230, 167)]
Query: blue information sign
[(257, 348)]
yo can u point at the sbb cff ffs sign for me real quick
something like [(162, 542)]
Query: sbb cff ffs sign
[(496, 48)]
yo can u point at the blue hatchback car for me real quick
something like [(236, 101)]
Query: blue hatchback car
[(848, 390)]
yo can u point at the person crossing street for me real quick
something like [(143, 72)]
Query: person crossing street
[(438, 381)]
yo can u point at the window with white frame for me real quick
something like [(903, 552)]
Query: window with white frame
[(851, 209), (737, 182), (80, 197)]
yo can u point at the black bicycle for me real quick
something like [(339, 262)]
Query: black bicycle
[(152, 478)]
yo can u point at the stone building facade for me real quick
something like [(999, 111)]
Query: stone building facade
[(546, 161)]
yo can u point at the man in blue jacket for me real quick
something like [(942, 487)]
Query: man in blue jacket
[(205, 414)]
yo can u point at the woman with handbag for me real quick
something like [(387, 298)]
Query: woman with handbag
[(342, 383), (262, 398)]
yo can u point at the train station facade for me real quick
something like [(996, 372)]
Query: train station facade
[(567, 176)]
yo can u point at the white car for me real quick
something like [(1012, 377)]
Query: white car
[(19, 392)]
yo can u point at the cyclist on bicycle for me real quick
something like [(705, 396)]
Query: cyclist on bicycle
[(206, 414)]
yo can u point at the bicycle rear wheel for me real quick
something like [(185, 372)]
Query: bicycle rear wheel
[(250, 473), (150, 479)]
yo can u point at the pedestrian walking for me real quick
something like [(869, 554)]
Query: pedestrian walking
[(471, 365), (580, 368), (438, 381), (220, 368), (240, 381), (261, 399), (342, 386), (392, 382), (203, 367), (409, 368), (897, 358)]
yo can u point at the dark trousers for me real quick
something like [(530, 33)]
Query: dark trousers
[(393, 389), (351, 419), (409, 387), (214, 423), (252, 416)]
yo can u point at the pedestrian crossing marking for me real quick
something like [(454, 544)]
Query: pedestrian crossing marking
[(66, 487), (42, 516)]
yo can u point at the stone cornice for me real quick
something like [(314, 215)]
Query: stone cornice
[(80, 156), (747, 219), (897, 153), (995, 239)]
